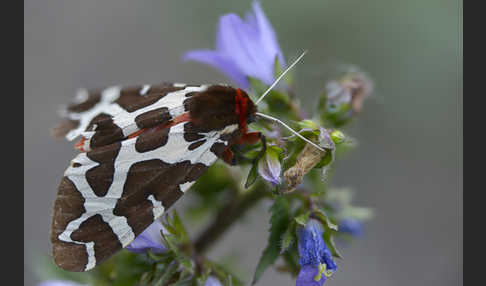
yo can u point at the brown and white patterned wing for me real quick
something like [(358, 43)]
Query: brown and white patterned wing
[(112, 193), (110, 115)]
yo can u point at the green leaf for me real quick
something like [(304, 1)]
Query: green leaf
[(160, 258), (165, 274), (330, 243), (291, 258), (321, 215), (171, 243), (252, 175), (179, 226), (309, 124), (326, 159), (302, 219), (226, 277), (288, 237), (279, 221)]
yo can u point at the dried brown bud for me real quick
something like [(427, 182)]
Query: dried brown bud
[(306, 160), (359, 86), (351, 88)]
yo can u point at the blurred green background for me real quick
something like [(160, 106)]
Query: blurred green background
[(408, 164)]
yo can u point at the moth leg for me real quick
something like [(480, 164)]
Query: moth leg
[(254, 137), (229, 157), (264, 146), (251, 137), (233, 158)]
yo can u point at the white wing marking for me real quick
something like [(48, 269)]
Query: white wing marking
[(175, 150), (174, 101)]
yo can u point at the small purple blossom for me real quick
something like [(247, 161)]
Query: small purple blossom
[(351, 226), (212, 281), (269, 167), (59, 283), (244, 48), (315, 258), (307, 276), (150, 238)]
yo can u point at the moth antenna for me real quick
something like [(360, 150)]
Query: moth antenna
[(280, 77), (289, 128)]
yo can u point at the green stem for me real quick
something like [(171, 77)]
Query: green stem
[(235, 208)]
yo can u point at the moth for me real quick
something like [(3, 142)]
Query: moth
[(141, 148)]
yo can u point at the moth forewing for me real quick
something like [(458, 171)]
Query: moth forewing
[(142, 148)]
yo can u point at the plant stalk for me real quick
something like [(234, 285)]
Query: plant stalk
[(235, 208)]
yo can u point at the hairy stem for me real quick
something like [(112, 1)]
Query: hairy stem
[(235, 208)]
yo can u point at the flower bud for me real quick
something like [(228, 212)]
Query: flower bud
[(344, 97), (337, 137), (269, 166)]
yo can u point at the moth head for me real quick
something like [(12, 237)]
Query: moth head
[(244, 108)]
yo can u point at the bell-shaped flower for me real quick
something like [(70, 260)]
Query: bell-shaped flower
[(315, 257), (244, 48), (269, 166), (150, 238)]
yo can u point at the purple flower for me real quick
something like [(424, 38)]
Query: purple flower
[(269, 167), (59, 283), (307, 276), (150, 238), (212, 281), (351, 226), (244, 48), (315, 258)]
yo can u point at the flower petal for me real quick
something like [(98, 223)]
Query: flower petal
[(212, 281), (267, 35), (269, 167), (150, 238), (220, 62), (239, 42), (307, 276), (312, 248), (243, 48)]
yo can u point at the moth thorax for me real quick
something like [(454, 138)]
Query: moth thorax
[(245, 109)]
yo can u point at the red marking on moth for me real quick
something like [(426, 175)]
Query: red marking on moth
[(250, 137), (181, 118), (80, 144), (241, 106), (135, 134)]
